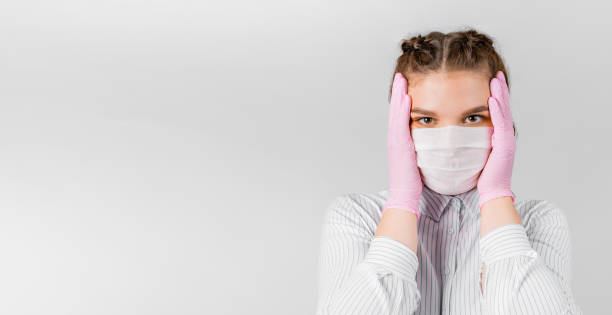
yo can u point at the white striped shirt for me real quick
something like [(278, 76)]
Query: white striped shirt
[(527, 266)]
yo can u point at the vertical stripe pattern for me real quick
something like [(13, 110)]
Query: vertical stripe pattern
[(527, 267)]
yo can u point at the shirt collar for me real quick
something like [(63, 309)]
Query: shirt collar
[(433, 204)]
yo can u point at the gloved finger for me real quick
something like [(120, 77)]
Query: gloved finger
[(496, 89), (504, 85), (398, 89), (496, 113), (405, 118), (501, 95), (397, 111), (400, 130), (394, 103)]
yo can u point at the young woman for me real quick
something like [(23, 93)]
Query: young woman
[(449, 236)]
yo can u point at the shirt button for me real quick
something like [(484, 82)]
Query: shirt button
[(451, 230)]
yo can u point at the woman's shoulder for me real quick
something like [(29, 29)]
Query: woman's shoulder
[(356, 208), (538, 213)]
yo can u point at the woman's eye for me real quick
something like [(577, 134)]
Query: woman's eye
[(424, 118), (472, 120)]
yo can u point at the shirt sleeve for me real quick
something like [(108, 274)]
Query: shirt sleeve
[(523, 277), (360, 273)]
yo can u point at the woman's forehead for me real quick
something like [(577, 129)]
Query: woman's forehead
[(449, 91)]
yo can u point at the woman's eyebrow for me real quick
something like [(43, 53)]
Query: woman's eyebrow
[(422, 111), (476, 109)]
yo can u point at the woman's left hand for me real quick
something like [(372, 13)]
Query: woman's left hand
[(496, 176)]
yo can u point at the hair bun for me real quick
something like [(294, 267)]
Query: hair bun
[(416, 43), (475, 38), (407, 46)]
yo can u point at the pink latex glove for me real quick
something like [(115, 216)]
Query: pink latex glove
[(405, 185), (494, 181)]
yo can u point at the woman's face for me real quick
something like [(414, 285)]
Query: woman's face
[(449, 98)]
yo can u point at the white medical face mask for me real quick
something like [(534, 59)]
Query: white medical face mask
[(451, 158)]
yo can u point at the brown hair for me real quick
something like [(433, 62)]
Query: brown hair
[(454, 51)]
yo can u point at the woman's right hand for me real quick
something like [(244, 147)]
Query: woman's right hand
[(405, 185)]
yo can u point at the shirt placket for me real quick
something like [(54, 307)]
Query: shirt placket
[(451, 261)]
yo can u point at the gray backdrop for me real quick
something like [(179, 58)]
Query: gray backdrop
[(176, 157)]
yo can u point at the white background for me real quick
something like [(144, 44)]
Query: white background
[(176, 157)]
